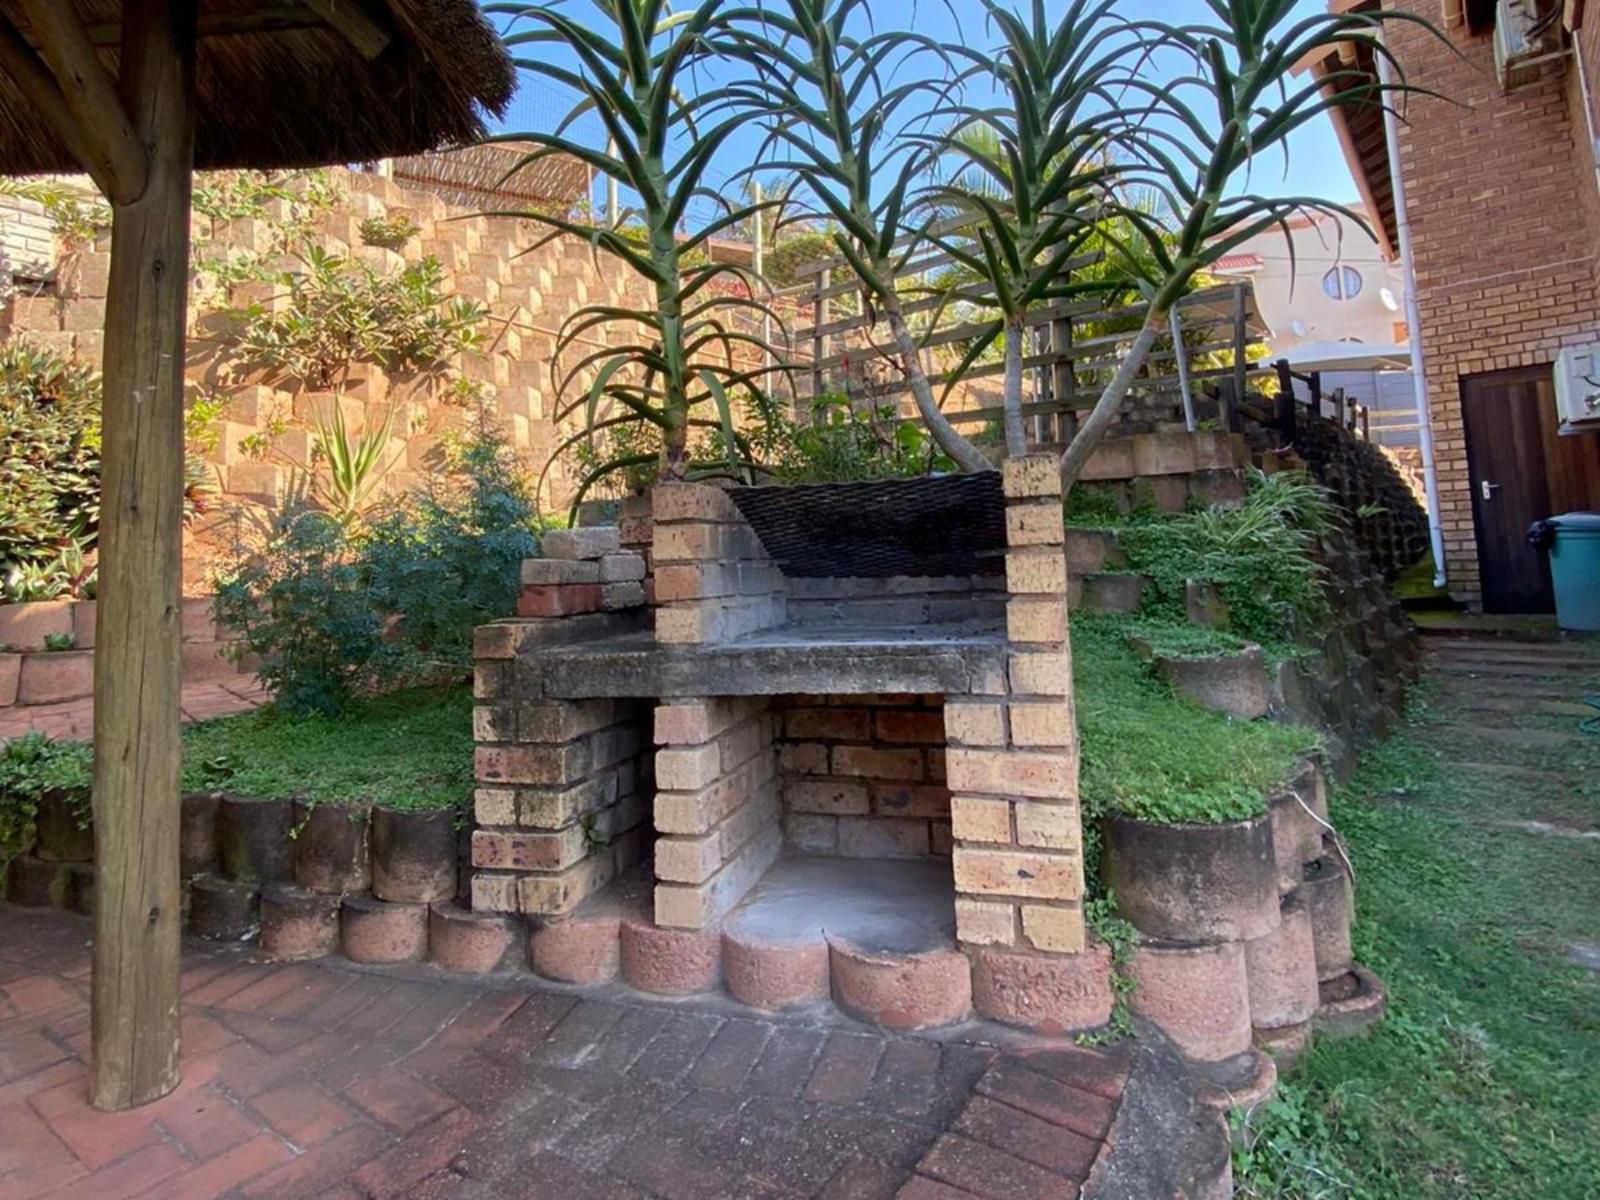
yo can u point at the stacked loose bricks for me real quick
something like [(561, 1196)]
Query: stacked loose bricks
[(713, 580), (564, 784)]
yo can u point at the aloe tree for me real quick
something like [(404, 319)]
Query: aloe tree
[(1197, 136), (1036, 174), (824, 95), (633, 59)]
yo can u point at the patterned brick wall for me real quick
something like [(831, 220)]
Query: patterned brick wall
[(1501, 194), (528, 296)]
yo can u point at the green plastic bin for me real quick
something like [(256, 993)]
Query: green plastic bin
[(1575, 569)]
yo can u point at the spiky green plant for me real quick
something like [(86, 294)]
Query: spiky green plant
[(686, 353), (1197, 136), (1034, 174), (825, 96)]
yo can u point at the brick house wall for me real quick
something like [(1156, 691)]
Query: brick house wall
[(1504, 220)]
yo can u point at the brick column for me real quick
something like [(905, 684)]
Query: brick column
[(714, 581), (563, 785), (716, 807), (1013, 758)]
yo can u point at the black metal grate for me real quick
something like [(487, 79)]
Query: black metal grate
[(934, 526)]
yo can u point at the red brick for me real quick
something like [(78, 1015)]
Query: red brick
[(561, 600), (303, 1113), (207, 1123), (909, 726), (96, 1138), (874, 763), (309, 1173), (142, 1170), (398, 1099), (224, 1172), (415, 1157)]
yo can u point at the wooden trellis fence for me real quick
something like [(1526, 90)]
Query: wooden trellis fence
[(1075, 347)]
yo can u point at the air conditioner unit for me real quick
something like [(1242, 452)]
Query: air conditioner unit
[(1578, 389), (1522, 41)]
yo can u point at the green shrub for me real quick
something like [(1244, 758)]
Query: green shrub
[(30, 766), (1261, 555), (339, 311), (842, 443), (49, 466), (299, 602), (451, 558), (336, 610)]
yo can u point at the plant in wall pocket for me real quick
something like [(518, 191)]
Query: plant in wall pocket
[(352, 466)]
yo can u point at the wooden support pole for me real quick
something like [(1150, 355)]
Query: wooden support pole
[(135, 1024), (90, 98)]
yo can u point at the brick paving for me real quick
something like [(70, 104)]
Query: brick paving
[(75, 718), (319, 1080)]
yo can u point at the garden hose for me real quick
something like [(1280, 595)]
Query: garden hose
[(1592, 724)]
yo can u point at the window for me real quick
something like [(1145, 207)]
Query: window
[(1342, 283)]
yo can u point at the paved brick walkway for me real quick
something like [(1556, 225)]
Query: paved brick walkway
[(75, 718), (320, 1080)]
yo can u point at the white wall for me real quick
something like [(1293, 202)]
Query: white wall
[(1287, 294)]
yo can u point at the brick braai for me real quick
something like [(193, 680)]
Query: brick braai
[(924, 718)]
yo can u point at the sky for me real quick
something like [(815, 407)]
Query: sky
[(1316, 166)]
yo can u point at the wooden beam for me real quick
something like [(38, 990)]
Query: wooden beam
[(90, 97), (265, 18), (134, 1047), (356, 22), (39, 89)]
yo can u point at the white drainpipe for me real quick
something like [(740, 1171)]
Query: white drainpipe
[(1419, 365)]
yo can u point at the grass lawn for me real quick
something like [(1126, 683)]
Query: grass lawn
[(1151, 755), (1484, 1081), (410, 749)]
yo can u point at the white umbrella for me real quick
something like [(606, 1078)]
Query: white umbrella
[(1346, 356)]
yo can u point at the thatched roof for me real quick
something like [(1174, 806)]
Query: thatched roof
[(279, 87)]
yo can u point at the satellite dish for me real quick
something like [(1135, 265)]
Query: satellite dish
[(1388, 298), (1300, 328)]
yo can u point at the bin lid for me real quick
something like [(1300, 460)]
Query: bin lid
[(1587, 521)]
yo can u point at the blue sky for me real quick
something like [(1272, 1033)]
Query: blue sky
[(1316, 166)]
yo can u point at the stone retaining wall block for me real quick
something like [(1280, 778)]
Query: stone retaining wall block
[(253, 836), (413, 855)]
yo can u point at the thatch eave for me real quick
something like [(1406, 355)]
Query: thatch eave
[(297, 92)]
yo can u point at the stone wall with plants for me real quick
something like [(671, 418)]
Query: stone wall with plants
[(346, 336)]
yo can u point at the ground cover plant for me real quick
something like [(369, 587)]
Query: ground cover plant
[(1260, 554), (1481, 1081), (1150, 755), (406, 749), (31, 766)]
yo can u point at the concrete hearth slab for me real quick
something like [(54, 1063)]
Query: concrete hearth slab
[(944, 659), (876, 905)]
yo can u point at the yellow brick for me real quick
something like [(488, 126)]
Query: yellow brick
[(1041, 673), (981, 723), (980, 819), (1049, 826), (1043, 723), (980, 923), (1036, 572), (1035, 525), (1054, 930), (1035, 875), (1039, 621), (1031, 477)]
